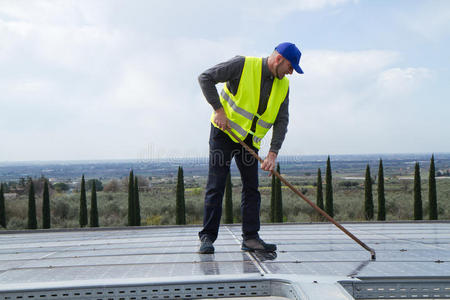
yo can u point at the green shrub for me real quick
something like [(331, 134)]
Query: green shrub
[(348, 184), (15, 223), (60, 187), (61, 210)]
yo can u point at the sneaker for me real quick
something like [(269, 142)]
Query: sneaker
[(257, 244), (206, 245)]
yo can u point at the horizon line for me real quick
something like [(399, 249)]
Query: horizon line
[(165, 159)]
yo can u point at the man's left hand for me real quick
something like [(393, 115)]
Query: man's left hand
[(269, 162)]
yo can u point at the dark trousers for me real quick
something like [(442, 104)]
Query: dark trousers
[(221, 151)]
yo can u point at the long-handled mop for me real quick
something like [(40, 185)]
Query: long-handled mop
[(323, 213)]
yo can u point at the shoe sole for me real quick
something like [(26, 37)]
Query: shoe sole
[(209, 251), (253, 250)]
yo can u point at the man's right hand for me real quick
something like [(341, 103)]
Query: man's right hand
[(221, 120)]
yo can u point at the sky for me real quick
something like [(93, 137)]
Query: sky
[(88, 80)]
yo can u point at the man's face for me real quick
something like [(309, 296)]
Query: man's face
[(283, 68)]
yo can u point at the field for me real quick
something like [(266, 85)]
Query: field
[(158, 203)]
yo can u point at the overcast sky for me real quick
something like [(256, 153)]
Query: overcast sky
[(118, 79)]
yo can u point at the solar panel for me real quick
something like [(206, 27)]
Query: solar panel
[(162, 263)]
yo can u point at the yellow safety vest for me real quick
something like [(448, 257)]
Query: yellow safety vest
[(243, 107)]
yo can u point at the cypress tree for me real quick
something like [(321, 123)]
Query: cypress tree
[(273, 199), (180, 205), (131, 208), (137, 206), (319, 200), (417, 194), (46, 207), (278, 198), (228, 200), (32, 220), (2, 207), (432, 195), (83, 204), (329, 209), (368, 203), (94, 211), (380, 190)]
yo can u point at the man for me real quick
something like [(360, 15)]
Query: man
[(255, 97)]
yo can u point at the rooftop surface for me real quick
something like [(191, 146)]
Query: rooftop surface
[(162, 263)]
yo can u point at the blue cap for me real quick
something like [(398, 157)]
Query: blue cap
[(291, 53)]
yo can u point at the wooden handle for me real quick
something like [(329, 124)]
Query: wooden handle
[(312, 204)]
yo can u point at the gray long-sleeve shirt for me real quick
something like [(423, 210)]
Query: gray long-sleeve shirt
[(230, 72)]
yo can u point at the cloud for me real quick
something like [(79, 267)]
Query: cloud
[(310, 5), (58, 13), (277, 10), (348, 96), (159, 91), (103, 79), (65, 47), (430, 20), (327, 71), (397, 82), (122, 78), (25, 89)]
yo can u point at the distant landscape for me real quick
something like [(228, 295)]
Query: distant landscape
[(157, 180)]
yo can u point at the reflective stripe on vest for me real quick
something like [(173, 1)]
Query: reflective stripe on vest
[(243, 112), (264, 124), (257, 139), (238, 128), (242, 108), (235, 107)]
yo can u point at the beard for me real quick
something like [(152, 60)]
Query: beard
[(277, 73)]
